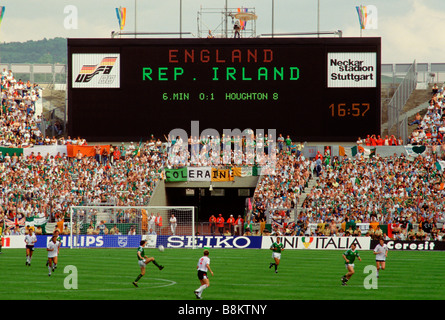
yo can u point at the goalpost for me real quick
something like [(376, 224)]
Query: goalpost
[(130, 220)]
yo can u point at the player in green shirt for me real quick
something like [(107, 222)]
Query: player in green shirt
[(349, 257), (143, 260), (276, 247)]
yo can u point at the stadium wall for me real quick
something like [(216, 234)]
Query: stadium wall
[(224, 242), (309, 151)]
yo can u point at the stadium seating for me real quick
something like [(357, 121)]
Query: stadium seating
[(394, 197)]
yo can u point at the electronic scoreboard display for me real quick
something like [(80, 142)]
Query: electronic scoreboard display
[(312, 89)]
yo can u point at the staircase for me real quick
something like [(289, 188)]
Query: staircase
[(418, 101), (311, 183)]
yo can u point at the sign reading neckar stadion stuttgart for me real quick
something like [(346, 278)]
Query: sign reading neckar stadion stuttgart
[(352, 70)]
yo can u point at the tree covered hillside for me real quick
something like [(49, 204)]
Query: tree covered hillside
[(41, 51)]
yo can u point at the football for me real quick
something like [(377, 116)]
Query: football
[(161, 248)]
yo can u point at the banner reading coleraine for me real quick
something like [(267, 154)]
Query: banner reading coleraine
[(209, 173)]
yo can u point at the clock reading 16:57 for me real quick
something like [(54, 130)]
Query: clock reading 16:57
[(353, 109)]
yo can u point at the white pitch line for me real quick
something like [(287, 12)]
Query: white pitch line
[(170, 283)]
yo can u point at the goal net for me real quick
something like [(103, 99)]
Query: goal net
[(144, 221)]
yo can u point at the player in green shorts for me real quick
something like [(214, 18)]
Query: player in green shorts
[(349, 257), (276, 247), (143, 260)]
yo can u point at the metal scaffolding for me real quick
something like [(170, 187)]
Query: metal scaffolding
[(226, 20)]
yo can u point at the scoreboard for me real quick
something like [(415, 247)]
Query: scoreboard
[(312, 89)]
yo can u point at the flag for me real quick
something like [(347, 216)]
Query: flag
[(12, 223), (389, 230), (176, 174), (2, 13), (86, 151), (440, 165), (242, 23), (367, 151), (199, 173), (136, 151), (245, 171), (236, 171), (419, 149), (361, 11), (221, 175), (354, 151), (413, 152), (367, 16), (347, 152), (241, 171), (11, 151), (121, 16)]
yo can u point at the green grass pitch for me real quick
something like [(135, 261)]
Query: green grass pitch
[(107, 274)]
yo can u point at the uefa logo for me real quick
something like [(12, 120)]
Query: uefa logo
[(95, 70)]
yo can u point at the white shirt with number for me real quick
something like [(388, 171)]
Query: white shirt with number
[(381, 252), (202, 263), (55, 248), (30, 240)]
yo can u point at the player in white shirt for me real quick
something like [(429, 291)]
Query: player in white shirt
[(381, 252), (53, 251), (173, 224), (203, 267), (30, 240)]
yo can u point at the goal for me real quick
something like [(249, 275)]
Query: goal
[(129, 220)]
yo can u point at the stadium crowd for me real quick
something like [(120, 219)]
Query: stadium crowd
[(430, 128), (407, 196), (46, 186), (19, 127), (404, 195)]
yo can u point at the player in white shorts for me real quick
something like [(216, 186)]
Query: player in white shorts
[(203, 267), (381, 252), (30, 240), (53, 252), (277, 247)]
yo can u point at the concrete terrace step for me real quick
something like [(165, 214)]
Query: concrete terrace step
[(312, 182)]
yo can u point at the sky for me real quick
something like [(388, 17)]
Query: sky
[(410, 29)]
